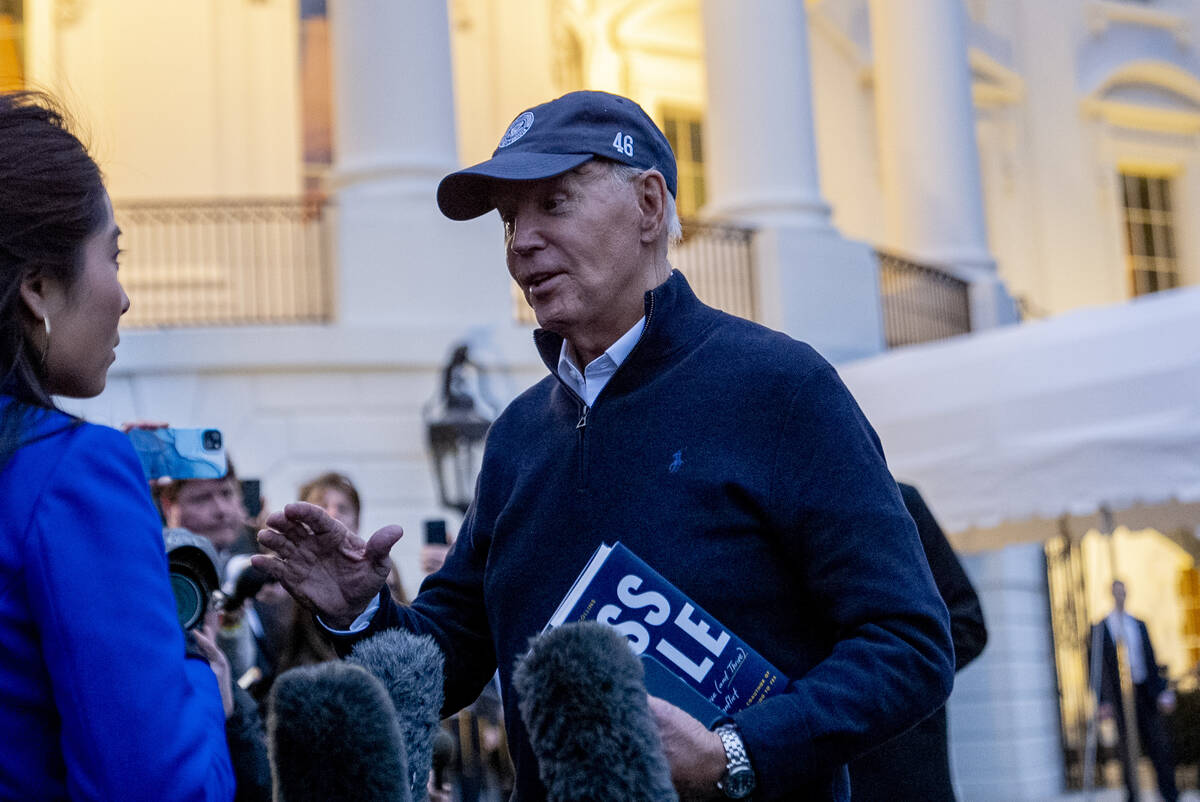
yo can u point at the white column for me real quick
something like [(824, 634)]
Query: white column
[(41, 46), (926, 121), (1003, 713), (393, 97), (761, 166), (400, 263), (762, 160)]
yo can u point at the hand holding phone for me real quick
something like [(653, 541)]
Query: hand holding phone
[(435, 532), (180, 453)]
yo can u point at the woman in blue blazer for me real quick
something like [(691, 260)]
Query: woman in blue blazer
[(99, 697)]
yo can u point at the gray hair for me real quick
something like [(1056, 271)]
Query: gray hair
[(624, 173)]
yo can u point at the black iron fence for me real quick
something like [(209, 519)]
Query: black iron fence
[(226, 262), (1070, 624), (267, 261), (719, 264), (921, 303)]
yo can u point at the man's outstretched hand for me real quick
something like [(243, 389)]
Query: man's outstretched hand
[(325, 566)]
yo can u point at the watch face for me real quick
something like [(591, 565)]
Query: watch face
[(739, 783)]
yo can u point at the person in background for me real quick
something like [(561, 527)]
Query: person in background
[(1151, 696), (481, 766), (916, 765), (211, 508), (102, 695), (253, 652), (337, 495)]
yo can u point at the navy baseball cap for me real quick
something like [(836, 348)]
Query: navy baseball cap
[(555, 137)]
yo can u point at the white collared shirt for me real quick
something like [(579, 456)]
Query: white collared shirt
[(1132, 636), (595, 376)]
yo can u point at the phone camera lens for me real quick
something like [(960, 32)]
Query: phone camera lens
[(211, 439)]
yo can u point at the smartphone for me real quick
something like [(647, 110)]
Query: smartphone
[(252, 496), (435, 532), (180, 453)]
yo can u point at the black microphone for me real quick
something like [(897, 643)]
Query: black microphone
[(583, 701), (333, 735), (411, 669)]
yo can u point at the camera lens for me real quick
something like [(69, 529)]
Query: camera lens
[(211, 439), (192, 562), (190, 599)]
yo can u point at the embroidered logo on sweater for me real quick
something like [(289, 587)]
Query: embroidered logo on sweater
[(676, 462)]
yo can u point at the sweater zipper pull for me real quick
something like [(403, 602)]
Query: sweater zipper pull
[(583, 418)]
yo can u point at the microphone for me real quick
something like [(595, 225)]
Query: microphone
[(411, 669), (333, 735), (582, 698)]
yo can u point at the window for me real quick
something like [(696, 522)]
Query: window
[(685, 133), (316, 93), (12, 45), (1149, 233), (1189, 593)]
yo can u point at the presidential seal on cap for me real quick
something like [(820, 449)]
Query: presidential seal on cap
[(558, 136)]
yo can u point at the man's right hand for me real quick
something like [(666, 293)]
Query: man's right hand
[(325, 566)]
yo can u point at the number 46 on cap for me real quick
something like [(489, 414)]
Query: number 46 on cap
[(623, 143)]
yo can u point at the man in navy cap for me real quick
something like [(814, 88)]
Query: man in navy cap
[(728, 456)]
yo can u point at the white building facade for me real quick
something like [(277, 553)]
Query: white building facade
[(1047, 154)]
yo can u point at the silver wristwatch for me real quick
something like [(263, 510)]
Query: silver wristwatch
[(738, 781)]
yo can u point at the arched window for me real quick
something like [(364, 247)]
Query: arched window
[(1147, 110)]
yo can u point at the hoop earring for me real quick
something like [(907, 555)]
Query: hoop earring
[(46, 347)]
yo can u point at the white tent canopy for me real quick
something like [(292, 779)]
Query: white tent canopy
[(1010, 432)]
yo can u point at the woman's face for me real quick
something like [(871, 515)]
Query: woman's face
[(83, 317), (337, 504)]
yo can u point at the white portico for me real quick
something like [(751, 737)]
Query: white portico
[(992, 139)]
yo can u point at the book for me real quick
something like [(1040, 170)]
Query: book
[(690, 658)]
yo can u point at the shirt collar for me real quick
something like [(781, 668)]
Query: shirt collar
[(602, 366)]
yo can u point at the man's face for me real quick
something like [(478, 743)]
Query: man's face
[(1118, 592), (208, 507), (572, 244)]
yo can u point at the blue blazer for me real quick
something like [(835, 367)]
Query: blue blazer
[(97, 698)]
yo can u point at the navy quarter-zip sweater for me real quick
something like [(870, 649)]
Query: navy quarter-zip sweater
[(733, 460)]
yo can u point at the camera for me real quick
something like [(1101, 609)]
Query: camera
[(192, 562), (210, 439)]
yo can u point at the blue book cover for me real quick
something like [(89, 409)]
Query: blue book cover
[(717, 673)]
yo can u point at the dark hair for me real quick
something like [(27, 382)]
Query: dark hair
[(168, 490), (335, 481), (51, 201)]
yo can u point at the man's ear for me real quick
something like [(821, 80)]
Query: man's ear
[(652, 203)]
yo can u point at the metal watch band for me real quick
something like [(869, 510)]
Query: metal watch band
[(739, 777)]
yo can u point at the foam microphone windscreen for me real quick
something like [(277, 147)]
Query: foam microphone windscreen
[(411, 668), (583, 701), (333, 735)]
